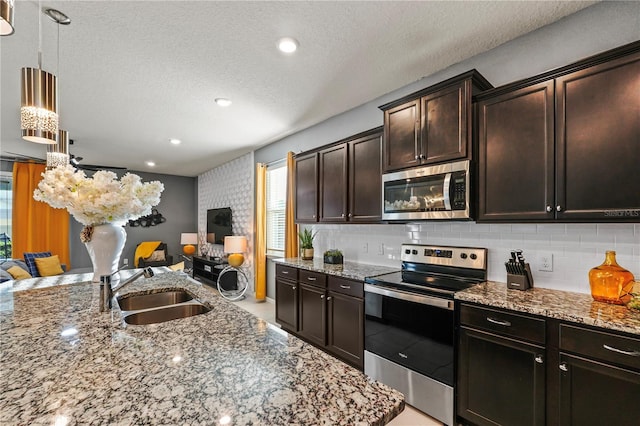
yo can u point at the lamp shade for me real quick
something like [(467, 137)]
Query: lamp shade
[(235, 244), (39, 110), (58, 153), (6, 17), (188, 238)]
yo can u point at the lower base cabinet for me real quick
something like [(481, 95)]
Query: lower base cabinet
[(326, 311), (516, 369)]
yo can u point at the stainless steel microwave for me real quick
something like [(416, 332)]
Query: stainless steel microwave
[(433, 192)]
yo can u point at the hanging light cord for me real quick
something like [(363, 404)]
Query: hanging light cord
[(39, 36)]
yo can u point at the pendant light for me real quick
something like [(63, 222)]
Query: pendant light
[(39, 109), (6, 17), (58, 153)]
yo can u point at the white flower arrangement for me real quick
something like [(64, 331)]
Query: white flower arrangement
[(99, 199)]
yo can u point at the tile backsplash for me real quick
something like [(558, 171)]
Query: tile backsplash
[(575, 248)]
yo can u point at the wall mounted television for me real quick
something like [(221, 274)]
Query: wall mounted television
[(218, 225)]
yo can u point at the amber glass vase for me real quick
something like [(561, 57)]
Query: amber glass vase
[(611, 283)]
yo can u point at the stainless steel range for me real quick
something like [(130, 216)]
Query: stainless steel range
[(409, 323)]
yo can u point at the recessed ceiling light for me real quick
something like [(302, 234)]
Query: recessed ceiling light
[(223, 102), (288, 44), (175, 141), (150, 163)]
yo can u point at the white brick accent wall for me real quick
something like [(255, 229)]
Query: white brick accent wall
[(230, 185), (576, 248)]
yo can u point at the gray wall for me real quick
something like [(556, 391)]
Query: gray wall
[(595, 29), (178, 204)]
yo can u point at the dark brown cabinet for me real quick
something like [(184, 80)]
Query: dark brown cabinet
[(326, 311), (501, 368), (432, 125), (599, 377), (349, 181), (563, 146), (287, 297), (306, 175)]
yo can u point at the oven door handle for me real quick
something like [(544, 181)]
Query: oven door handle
[(410, 297)]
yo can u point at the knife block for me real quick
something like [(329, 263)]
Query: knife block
[(520, 282)]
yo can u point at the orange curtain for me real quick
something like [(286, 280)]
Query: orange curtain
[(261, 232), (290, 227), (35, 225)]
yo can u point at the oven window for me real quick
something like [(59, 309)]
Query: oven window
[(417, 336), (415, 194)]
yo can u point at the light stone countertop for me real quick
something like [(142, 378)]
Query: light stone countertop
[(352, 270), (563, 305), (64, 362)]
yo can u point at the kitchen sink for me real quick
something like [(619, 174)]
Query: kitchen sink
[(169, 313), (153, 300)]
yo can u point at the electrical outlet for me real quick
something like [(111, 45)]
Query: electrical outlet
[(545, 262), (365, 247), (380, 248), (125, 261)]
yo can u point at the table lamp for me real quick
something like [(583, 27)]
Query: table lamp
[(235, 246), (188, 239)]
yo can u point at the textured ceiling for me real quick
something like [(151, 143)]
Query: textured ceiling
[(133, 74)]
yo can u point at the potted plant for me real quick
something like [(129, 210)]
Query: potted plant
[(333, 257), (306, 244)]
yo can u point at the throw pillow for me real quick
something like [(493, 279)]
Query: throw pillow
[(177, 267), (5, 276), (18, 273), (13, 262), (29, 259), (156, 256), (48, 266)]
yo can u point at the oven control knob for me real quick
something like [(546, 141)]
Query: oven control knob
[(414, 251), (473, 256), (463, 255), (407, 251)]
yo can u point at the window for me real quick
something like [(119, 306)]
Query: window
[(276, 204), (6, 201)]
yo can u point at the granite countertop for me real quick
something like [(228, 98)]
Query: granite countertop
[(64, 362), (563, 305), (353, 270)]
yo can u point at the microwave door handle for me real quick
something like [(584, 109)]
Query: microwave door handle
[(446, 191)]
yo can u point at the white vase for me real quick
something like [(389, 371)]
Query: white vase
[(105, 248)]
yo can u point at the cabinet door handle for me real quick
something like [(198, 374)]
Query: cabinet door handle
[(322, 296), (559, 208), (564, 367), (539, 359), (294, 287), (328, 298), (621, 351), (402, 355), (346, 287), (549, 208), (311, 278), (422, 156), (342, 215), (313, 216), (285, 272), (350, 214), (499, 322)]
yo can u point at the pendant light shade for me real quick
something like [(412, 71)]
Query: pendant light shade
[(58, 154), (6, 17), (39, 110)]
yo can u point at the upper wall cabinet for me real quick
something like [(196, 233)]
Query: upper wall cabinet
[(347, 182), (565, 145), (432, 125), (306, 175)]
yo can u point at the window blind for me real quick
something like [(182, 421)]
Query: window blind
[(276, 202)]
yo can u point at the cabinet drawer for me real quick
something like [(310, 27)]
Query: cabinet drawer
[(287, 272), (345, 286), (504, 323), (601, 345), (314, 278)]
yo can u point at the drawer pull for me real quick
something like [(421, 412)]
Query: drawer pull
[(346, 287), (322, 296), (328, 297), (539, 359), (564, 367), (311, 278), (495, 321), (285, 272), (294, 287), (402, 355), (620, 351)]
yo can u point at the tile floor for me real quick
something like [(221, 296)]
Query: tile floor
[(266, 310)]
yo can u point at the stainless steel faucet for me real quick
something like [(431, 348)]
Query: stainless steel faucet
[(106, 290)]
